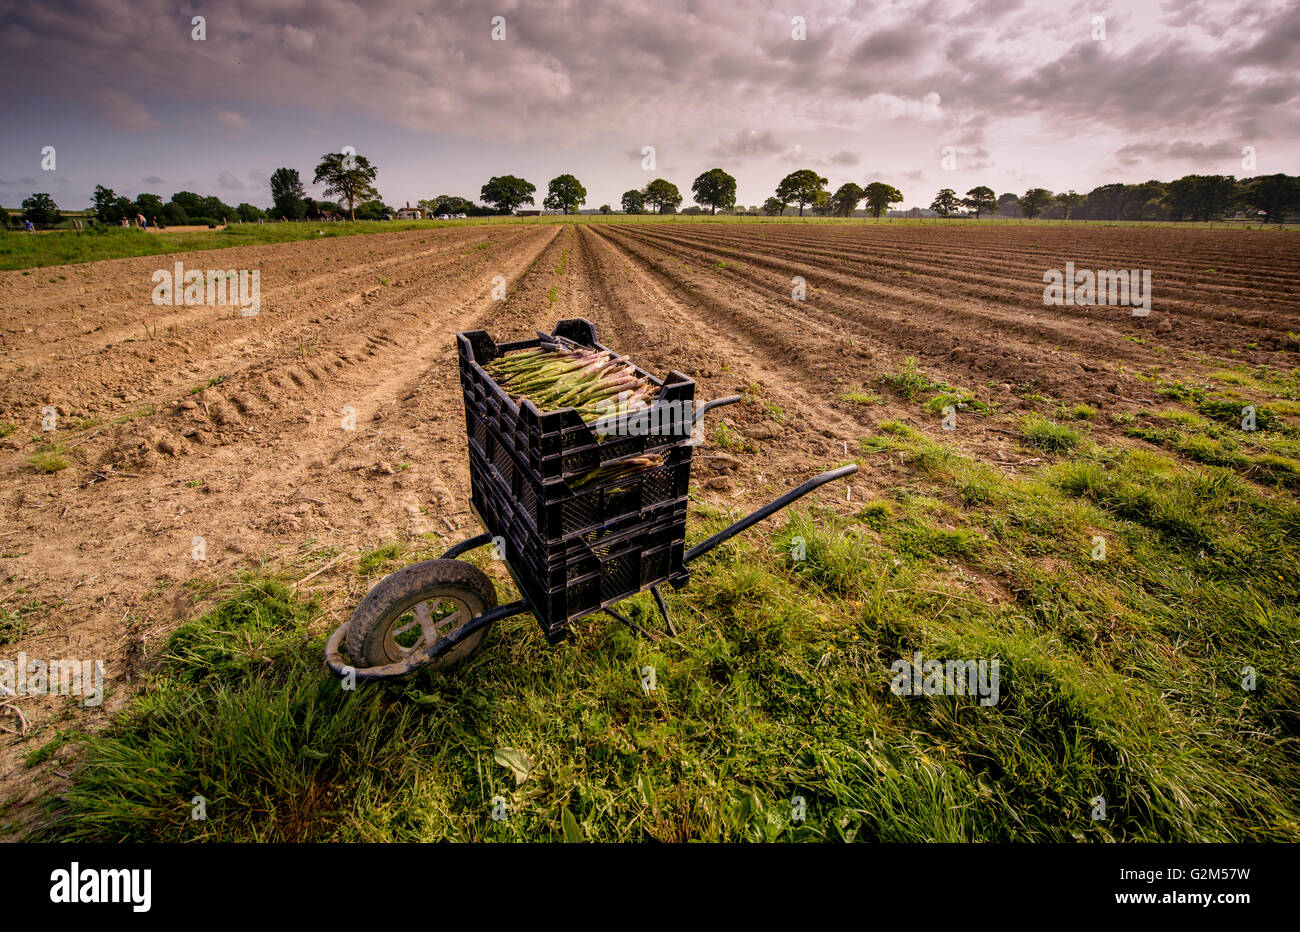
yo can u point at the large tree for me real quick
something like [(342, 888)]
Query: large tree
[(41, 210), (108, 206), (633, 202), (982, 200), (773, 207), (287, 194), (945, 202), (800, 188), (1009, 205), (1069, 200), (506, 193), (662, 194), (352, 184), (565, 193), (1034, 202), (880, 196), (715, 189), (1272, 195), (846, 198), (148, 205), (1201, 197)]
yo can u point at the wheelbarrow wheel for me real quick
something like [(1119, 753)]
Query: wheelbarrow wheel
[(417, 606)]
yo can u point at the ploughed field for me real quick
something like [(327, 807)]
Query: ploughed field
[(331, 422)]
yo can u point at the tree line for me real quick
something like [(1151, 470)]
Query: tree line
[(1192, 197), (350, 178)]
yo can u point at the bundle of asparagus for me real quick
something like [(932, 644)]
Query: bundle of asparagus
[(620, 468), (596, 383)]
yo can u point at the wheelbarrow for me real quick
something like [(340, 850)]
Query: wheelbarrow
[(435, 614)]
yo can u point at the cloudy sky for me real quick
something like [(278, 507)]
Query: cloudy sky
[(1026, 92)]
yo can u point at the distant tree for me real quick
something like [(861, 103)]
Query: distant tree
[(982, 200), (633, 202), (1145, 201), (506, 193), (715, 189), (189, 202), (693, 210), (41, 210), (800, 188), (880, 195), (351, 184), (774, 207), (1201, 197), (373, 209), (149, 205), (107, 206), (604, 208), (1034, 202), (846, 198), (565, 193), (174, 215), (1106, 202), (1272, 195), (945, 202), (217, 209), (662, 194), (1069, 200), (448, 204), (1009, 205), (250, 214), (287, 194)]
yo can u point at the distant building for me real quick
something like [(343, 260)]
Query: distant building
[(528, 213), (410, 213)]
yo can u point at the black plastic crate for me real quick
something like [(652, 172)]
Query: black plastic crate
[(556, 511), (568, 582), (559, 444), (574, 549)]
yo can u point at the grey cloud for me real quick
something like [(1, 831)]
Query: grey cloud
[(229, 182), (1137, 152), (889, 44), (748, 144), (151, 179)]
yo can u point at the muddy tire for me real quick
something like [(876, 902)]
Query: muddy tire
[(415, 607)]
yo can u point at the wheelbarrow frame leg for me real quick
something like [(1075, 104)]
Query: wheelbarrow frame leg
[(663, 610)]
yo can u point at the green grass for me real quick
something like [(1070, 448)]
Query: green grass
[(1119, 677), (729, 438), (910, 381), (860, 396), (25, 251), (49, 459), (1049, 436)]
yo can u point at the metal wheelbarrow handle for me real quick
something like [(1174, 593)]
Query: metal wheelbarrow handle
[(745, 523)]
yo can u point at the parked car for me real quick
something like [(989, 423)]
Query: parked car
[(443, 217)]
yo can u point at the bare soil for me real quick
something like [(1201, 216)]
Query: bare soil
[(193, 422)]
